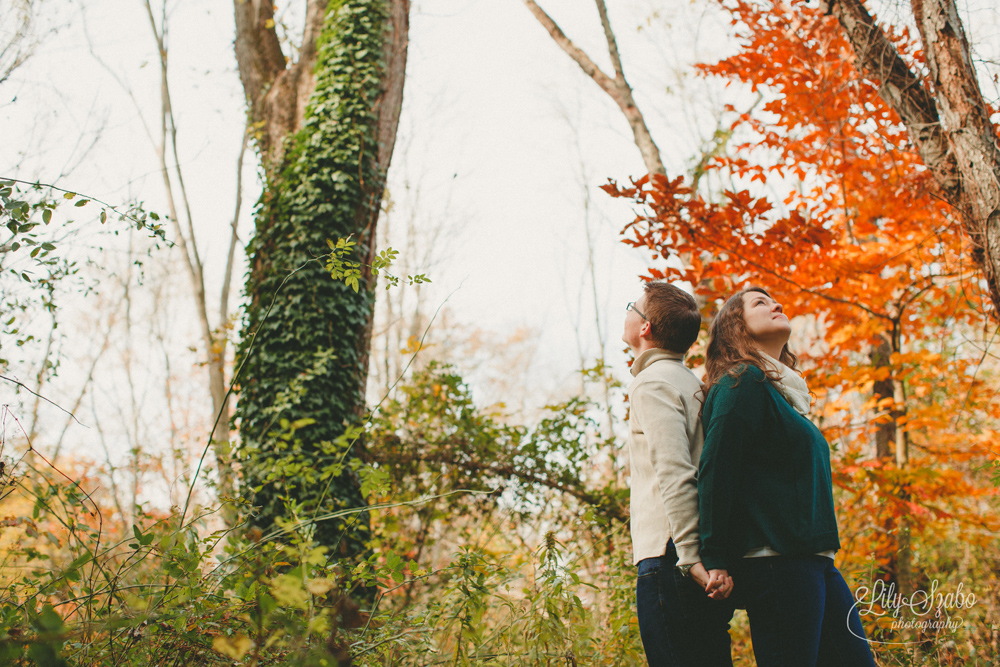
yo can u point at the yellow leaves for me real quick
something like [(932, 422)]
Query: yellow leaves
[(842, 335), (319, 586), (412, 346), (234, 647), (316, 556), (136, 603), (289, 591), (319, 625), (269, 24)]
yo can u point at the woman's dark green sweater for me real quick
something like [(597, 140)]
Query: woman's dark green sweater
[(764, 477)]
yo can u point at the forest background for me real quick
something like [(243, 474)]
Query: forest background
[(494, 463)]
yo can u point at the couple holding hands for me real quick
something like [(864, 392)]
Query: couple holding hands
[(731, 492)]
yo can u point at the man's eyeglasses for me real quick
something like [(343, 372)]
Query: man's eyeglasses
[(631, 306)]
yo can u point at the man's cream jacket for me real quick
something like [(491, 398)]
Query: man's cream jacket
[(665, 441)]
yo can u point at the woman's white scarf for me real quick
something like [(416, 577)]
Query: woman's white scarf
[(791, 385)]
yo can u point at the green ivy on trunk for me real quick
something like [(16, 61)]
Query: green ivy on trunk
[(305, 352)]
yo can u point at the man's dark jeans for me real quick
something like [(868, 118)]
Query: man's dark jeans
[(680, 626), (801, 613)]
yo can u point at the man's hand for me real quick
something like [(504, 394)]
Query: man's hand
[(717, 583)]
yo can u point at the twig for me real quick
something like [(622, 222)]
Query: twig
[(37, 395)]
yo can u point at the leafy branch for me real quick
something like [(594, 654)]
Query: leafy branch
[(342, 268)]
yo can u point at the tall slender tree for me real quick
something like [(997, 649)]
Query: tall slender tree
[(326, 126)]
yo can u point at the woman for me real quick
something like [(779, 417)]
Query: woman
[(766, 497)]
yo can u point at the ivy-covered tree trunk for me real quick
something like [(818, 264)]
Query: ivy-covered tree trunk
[(327, 125)]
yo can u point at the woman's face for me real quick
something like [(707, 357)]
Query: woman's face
[(766, 323)]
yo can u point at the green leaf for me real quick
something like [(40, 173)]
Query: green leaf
[(81, 560), (69, 195), (104, 216), (49, 620), (47, 216), (82, 202), (46, 654)]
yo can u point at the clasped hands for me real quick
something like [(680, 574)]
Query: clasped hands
[(717, 583)]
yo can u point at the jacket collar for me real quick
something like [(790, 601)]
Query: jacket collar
[(653, 355)]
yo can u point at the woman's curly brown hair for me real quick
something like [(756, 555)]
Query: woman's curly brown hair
[(730, 346)]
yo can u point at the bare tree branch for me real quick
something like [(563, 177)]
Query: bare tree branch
[(616, 60), (20, 44), (84, 387), (588, 66), (37, 395), (618, 88), (234, 239)]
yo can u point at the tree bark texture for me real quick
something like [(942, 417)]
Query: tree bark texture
[(946, 115), (884, 390), (326, 131)]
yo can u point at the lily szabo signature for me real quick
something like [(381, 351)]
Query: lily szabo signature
[(931, 609)]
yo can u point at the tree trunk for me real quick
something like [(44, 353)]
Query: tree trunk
[(890, 445), (327, 130), (885, 434), (947, 117), (904, 549)]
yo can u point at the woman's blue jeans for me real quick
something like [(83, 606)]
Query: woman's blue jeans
[(680, 626), (801, 612)]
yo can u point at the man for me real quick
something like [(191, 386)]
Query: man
[(683, 611)]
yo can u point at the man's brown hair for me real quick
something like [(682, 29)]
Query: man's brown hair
[(673, 316)]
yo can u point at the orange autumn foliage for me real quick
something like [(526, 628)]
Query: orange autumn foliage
[(831, 210)]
